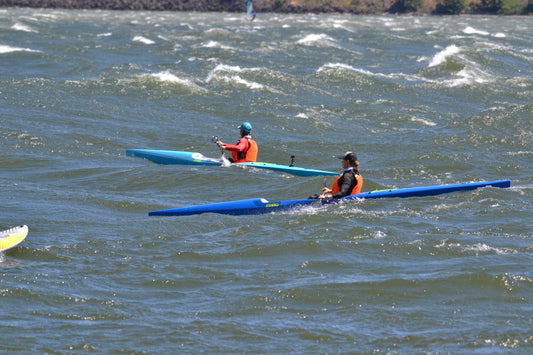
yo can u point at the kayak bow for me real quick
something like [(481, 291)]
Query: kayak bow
[(173, 157), (261, 205), (191, 158), (12, 237)]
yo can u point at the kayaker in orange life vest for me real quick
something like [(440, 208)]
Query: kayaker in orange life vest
[(246, 148), (350, 182)]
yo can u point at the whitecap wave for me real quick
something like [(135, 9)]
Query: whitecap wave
[(477, 249), (23, 28), (441, 57), (380, 234), (8, 49), (143, 40), (340, 66), (423, 121), (484, 248), (227, 74), (168, 77), (467, 77), (472, 31), (215, 44), (222, 68), (238, 80), (316, 39)]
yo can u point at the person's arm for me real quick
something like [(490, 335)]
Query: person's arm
[(346, 187), (240, 147)]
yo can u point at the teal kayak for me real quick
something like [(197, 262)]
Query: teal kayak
[(191, 158), (261, 205)]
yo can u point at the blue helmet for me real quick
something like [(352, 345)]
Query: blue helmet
[(246, 127)]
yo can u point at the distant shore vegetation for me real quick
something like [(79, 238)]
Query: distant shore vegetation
[(415, 7)]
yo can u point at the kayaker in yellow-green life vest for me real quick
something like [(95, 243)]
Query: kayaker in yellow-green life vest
[(246, 148), (349, 182)]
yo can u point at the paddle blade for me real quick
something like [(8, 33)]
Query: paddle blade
[(225, 161)]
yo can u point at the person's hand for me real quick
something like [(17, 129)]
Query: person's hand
[(220, 144), (325, 189), (325, 195)]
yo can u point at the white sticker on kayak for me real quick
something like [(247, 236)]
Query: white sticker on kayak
[(197, 156)]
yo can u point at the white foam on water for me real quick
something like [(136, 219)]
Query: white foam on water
[(467, 77), (215, 44), (484, 248), (440, 57), (249, 84), (8, 49), (229, 74), (168, 77), (470, 30), (222, 68), (144, 40), (340, 66), (316, 39), (23, 28), (421, 120)]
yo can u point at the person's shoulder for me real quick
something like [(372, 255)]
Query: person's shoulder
[(351, 174)]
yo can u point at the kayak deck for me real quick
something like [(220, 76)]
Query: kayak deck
[(167, 157), (261, 205)]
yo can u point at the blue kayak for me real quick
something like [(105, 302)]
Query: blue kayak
[(261, 205), (191, 158)]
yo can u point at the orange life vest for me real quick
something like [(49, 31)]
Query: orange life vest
[(250, 155), (355, 190)]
